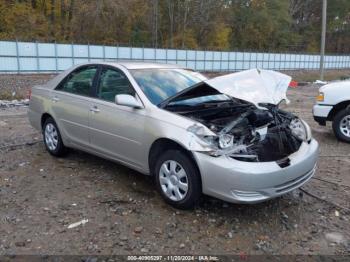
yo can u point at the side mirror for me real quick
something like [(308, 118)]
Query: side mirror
[(127, 100)]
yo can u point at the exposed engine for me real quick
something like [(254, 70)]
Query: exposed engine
[(248, 133)]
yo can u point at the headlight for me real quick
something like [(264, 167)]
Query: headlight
[(320, 97), (208, 143), (300, 129)]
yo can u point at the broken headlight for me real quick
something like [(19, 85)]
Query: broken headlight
[(300, 129), (211, 143)]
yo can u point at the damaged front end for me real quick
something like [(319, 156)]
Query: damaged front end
[(252, 134), (251, 131)]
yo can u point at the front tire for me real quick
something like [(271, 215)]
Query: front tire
[(52, 138), (341, 125), (177, 179)]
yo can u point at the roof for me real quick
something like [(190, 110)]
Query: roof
[(142, 65)]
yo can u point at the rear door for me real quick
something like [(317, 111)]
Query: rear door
[(71, 104), (116, 130)]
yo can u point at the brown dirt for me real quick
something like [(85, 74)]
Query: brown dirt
[(41, 195), (16, 86)]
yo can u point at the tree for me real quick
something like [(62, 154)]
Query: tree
[(280, 25)]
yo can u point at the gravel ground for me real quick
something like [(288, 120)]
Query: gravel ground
[(40, 196)]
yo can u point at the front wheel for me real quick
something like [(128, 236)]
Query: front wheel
[(178, 180), (341, 125)]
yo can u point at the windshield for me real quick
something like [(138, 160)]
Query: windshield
[(158, 84)]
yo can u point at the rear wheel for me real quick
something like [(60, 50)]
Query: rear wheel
[(341, 125), (178, 180), (52, 138)]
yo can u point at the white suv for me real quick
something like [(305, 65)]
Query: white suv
[(333, 104)]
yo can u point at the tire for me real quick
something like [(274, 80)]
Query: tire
[(52, 138), (341, 125), (173, 170)]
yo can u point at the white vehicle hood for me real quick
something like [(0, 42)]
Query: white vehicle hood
[(255, 86)]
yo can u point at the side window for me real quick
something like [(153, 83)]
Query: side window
[(113, 82), (79, 82)]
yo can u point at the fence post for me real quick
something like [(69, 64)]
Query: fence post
[(37, 57), (250, 59), (205, 60), (104, 52), (166, 55), (279, 61), (17, 57), (235, 61), (228, 60), (56, 58), (131, 52), (195, 59), (72, 52), (286, 64), (221, 60), (155, 54), (176, 55), (89, 52)]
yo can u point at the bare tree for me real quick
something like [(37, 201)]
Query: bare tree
[(186, 10), (70, 17), (52, 18), (170, 4), (63, 17), (155, 18)]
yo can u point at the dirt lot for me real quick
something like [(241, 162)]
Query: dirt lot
[(41, 195)]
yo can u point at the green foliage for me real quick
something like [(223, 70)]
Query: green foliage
[(279, 25), (20, 20)]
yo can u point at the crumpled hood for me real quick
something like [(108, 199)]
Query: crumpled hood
[(254, 85)]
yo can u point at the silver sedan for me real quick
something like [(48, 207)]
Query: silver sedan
[(225, 137)]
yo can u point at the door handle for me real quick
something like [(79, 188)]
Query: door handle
[(94, 109), (55, 99)]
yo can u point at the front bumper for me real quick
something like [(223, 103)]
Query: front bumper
[(321, 112), (251, 182)]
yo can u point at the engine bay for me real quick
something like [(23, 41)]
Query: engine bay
[(244, 131)]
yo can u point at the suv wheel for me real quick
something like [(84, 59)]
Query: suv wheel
[(52, 138), (178, 180), (341, 125)]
